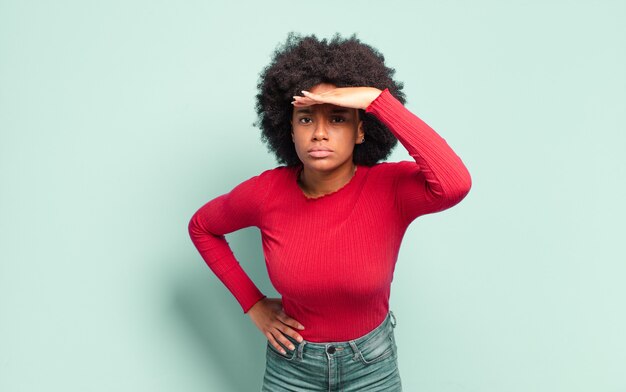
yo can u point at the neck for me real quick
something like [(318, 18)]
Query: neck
[(317, 183)]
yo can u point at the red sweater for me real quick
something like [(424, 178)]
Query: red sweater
[(332, 257)]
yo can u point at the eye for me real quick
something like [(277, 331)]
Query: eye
[(338, 119), (304, 120)]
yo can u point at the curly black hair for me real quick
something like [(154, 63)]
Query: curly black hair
[(303, 62)]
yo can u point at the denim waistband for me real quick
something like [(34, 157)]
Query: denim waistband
[(349, 347)]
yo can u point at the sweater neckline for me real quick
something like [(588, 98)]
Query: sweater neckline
[(343, 189)]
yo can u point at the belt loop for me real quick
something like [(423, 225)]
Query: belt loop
[(300, 348), (394, 322), (357, 350)]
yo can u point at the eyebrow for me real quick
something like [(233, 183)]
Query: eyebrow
[(309, 111)]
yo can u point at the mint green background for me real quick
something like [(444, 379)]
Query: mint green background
[(119, 119)]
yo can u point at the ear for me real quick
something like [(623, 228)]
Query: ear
[(359, 132)]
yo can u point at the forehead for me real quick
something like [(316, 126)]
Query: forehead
[(323, 108)]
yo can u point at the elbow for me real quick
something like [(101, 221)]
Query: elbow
[(194, 228), (457, 190), (199, 229), (464, 184)]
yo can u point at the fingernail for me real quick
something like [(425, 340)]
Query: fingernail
[(299, 339), (304, 92), (292, 347), (301, 327), (283, 351)]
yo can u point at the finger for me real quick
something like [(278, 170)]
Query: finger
[(329, 97), (286, 342), (304, 100), (289, 321), (274, 343), (304, 103), (309, 94), (322, 98), (295, 335)]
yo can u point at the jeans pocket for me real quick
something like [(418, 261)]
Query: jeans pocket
[(290, 356), (379, 348)]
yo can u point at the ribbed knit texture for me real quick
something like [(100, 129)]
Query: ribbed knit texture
[(332, 257)]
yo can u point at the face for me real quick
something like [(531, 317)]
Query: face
[(334, 128)]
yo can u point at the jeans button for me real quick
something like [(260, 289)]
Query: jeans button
[(330, 349)]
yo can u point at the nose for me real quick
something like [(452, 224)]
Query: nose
[(320, 131)]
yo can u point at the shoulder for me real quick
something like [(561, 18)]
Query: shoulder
[(268, 179), (251, 193), (269, 176)]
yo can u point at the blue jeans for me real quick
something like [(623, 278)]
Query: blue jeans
[(368, 363)]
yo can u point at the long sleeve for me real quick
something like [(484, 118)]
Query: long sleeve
[(239, 208), (438, 179)]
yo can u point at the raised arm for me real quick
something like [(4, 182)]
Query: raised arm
[(438, 179), (239, 208)]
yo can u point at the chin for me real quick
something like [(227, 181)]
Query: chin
[(322, 164), (326, 166)]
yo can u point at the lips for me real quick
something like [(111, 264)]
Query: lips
[(320, 152)]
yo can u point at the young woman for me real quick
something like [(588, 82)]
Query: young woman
[(332, 216)]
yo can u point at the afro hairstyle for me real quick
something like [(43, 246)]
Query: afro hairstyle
[(303, 62)]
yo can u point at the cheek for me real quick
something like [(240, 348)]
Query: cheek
[(299, 141), (349, 134)]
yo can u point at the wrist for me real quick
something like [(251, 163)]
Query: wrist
[(254, 306), (373, 94)]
